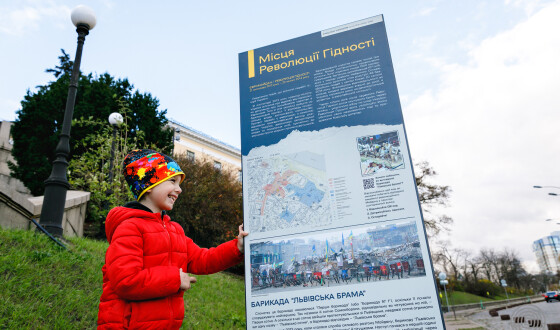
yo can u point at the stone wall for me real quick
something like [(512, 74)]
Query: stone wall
[(17, 206), (74, 211), (17, 209)]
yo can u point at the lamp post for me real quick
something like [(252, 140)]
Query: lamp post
[(115, 119), (551, 194), (504, 284), (442, 280), (57, 184)]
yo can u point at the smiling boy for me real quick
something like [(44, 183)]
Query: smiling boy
[(146, 264)]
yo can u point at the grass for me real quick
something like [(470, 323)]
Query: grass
[(46, 287), (459, 298)]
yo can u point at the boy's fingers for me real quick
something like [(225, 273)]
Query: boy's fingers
[(242, 232)]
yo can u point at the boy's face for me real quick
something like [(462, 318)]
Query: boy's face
[(163, 196)]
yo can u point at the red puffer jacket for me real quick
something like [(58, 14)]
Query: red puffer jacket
[(141, 272)]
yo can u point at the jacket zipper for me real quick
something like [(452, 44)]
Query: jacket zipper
[(169, 263)]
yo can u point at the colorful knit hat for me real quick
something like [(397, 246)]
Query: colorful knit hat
[(145, 169)]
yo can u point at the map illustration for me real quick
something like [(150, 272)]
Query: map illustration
[(287, 191)]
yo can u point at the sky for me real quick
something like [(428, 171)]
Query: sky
[(478, 82)]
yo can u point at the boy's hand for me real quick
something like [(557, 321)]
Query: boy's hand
[(242, 234), (186, 280)]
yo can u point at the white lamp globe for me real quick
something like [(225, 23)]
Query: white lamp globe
[(442, 276), (115, 119), (83, 15)]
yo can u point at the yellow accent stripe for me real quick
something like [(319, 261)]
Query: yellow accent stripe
[(251, 55), (155, 184)]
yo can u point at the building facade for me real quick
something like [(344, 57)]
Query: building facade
[(547, 251), (197, 145)]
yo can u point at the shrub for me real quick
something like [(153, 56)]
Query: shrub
[(210, 206), (484, 288)]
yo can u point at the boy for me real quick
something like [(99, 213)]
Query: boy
[(146, 264)]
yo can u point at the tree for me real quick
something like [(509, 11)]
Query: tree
[(36, 130), (489, 259), (481, 275), (510, 268), (474, 268), (431, 195), (451, 259)]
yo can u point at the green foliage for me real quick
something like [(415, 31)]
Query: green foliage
[(459, 298), (484, 288), (40, 118), (91, 171), (47, 287), (210, 206), (457, 285)]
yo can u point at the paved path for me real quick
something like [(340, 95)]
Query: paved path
[(461, 320), (547, 313)]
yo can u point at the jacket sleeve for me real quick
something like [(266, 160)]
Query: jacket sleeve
[(130, 281), (202, 261)]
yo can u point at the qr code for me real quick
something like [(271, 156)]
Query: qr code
[(369, 183)]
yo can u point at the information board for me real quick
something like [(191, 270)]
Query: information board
[(329, 196)]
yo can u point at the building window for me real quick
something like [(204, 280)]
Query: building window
[(218, 165), (190, 155)]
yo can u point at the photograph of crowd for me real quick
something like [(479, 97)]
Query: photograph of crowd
[(380, 152), (372, 254)]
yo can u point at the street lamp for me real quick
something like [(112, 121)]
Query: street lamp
[(550, 193), (115, 119), (442, 280), (504, 284), (57, 184)]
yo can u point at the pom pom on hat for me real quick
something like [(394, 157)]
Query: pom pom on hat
[(145, 168)]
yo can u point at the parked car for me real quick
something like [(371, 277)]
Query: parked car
[(551, 295)]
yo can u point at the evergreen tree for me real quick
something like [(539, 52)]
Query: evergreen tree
[(36, 130), (430, 195)]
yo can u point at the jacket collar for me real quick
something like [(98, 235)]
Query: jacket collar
[(139, 206), (131, 210)]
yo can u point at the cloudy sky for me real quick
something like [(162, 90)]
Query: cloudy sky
[(478, 80)]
